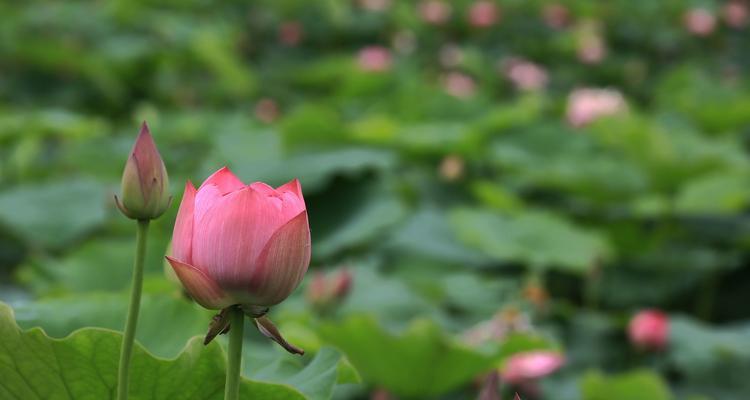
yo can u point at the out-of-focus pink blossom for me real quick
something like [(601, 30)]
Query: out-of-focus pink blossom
[(556, 15), (699, 21), (532, 365), (326, 290), (436, 12), (240, 244), (483, 14), (649, 329), (451, 168), (266, 110), (736, 13), (587, 104), (591, 49), (525, 75), (374, 59), (451, 55), (375, 5), (459, 85), (290, 33)]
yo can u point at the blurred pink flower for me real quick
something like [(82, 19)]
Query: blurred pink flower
[(375, 5), (451, 55), (699, 21), (459, 85), (525, 75), (290, 33), (591, 49), (266, 110), (556, 15), (587, 104), (649, 329), (736, 13), (451, 168), (326, 290), (374, 59), (483, 14), (435, 12), (240, 244), (532, 365)]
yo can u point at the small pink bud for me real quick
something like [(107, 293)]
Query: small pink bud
[(436, 12), (649, 330), (374, 5), (374, 59), (525, 75), (145, 184), (451, 168), (591, 49), (699, 21), (240, 244), (290, 33), (325, 291), (555, 15), (529, 366), (483, 14), (736, 13), (459, 85), (266, 110), (585, 105)]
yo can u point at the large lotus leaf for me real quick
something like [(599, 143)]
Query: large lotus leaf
[(635, 385), (536, 238), (420, 362), (53, 214), (166, 321), (83, 365), (316, 380)]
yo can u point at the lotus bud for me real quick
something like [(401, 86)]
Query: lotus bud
[(238, 244), (145, 185), (325, 291), (649, 330), (525, 367)]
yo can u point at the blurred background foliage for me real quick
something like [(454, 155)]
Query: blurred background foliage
[(566, 163)]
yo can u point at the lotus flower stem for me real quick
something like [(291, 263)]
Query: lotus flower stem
[(234, 356), (135, 305)]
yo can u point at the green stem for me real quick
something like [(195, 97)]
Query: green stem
[(234, 358), (135, 305)]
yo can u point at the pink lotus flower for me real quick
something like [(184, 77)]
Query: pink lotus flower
[(374, 59), (588, 104), (374, 5), (240, 244), (591, 49), (290, 33), (736, 13), (555, 15), (525, 75), (434, 12), (649, 329), (483, 14), (459, 85), (699, 21), (529, 366), (325, 291), (266, 110)]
